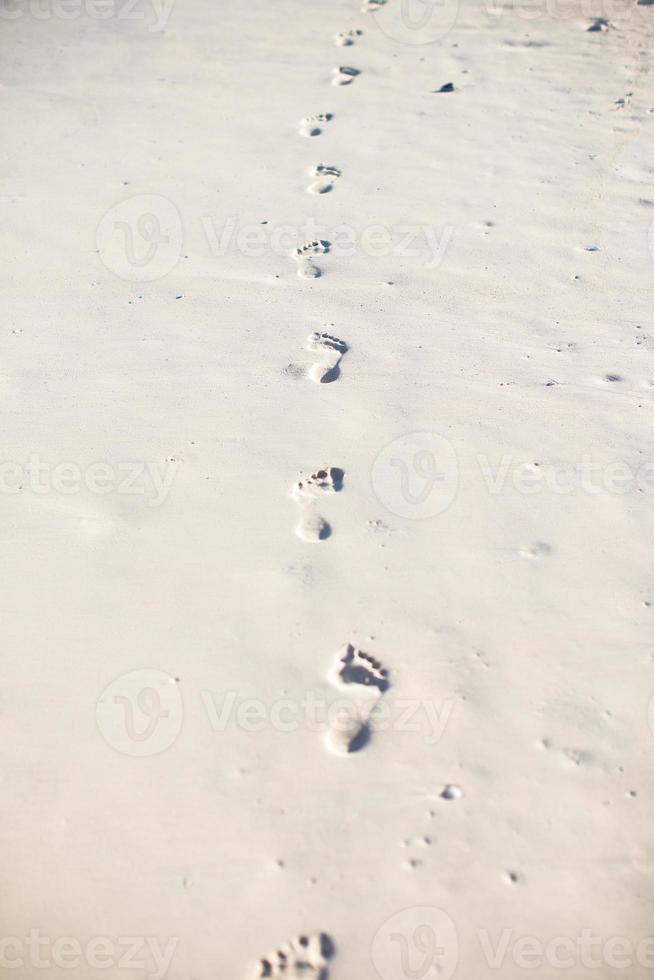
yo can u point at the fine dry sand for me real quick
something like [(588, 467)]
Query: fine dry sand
[(218, 522)]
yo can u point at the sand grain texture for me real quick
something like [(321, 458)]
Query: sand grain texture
[(508, 323)]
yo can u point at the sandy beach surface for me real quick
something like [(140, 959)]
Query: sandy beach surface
[(327, 489)]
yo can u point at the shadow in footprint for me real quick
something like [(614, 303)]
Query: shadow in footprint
[(331, 351), (358, 667), (330, 375), (361, 739), (306, 955)]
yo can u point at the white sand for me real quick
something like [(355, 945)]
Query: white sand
[(519, 621)]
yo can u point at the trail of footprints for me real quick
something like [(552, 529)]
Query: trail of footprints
[(323, 175), (308, 956), (354, 672), (312, 526)]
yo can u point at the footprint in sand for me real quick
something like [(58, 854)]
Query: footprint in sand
[(312, 525), (348, 38), (305, 956), (356, 667), (344, 75), (326, 177), (307, 269), (356, 671), (331, 351), (313, 125)]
